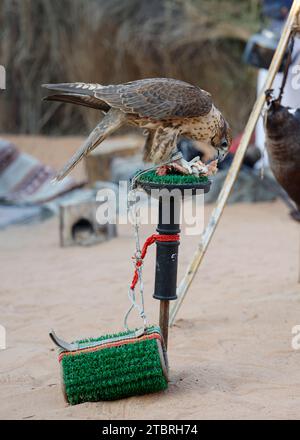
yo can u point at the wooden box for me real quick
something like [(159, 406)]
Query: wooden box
[(78, 225)]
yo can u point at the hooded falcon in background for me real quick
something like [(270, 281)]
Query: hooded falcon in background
[(166, 108)]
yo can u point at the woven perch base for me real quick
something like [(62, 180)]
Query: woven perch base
[(122, 366)]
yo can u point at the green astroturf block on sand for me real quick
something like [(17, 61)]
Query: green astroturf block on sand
[(115, 366)]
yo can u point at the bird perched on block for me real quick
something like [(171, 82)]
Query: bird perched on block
[(166, 108), (283, 146)]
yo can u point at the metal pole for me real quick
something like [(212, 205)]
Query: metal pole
[(164, 320), (167, 258)]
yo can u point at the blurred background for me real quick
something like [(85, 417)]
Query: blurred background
[(230, 349), (203, 42), (114, 41)]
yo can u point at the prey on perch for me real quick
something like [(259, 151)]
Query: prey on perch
[(166, 108)]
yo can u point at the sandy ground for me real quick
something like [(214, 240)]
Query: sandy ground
[(230, 351)]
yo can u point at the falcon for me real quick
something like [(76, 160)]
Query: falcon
[(283, 146), (165, 108)]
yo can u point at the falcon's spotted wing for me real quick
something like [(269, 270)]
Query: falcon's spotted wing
[(157, 98)]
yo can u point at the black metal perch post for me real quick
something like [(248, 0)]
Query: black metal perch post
[(167, 250), (167, 258)]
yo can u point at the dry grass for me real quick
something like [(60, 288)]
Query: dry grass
[(109, 41)]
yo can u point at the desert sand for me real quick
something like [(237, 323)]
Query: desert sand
[(230, 350)]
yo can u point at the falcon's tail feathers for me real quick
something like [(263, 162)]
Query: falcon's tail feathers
[(74, 88), (87, 101), (113, 120)]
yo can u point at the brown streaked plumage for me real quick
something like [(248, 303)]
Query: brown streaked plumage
[(283, 146), (165, 107)]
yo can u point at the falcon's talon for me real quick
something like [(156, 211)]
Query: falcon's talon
[(187, 165), (196, 167)]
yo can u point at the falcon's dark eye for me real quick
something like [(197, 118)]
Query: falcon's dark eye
[(224, 144)]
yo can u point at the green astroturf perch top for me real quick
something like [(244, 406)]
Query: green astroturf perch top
[(114, 366), (172, 179)]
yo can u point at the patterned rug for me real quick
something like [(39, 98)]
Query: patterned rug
[(26, 186)]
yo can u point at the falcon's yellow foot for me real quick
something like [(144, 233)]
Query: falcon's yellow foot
[(201, 169)]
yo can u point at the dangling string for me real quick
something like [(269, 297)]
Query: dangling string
[(131, 292), (137, 276)]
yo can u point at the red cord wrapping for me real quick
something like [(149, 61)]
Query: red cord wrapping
[(150, 240)]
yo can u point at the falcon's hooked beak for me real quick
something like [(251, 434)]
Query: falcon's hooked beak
[(222, 145), (222, 150)]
